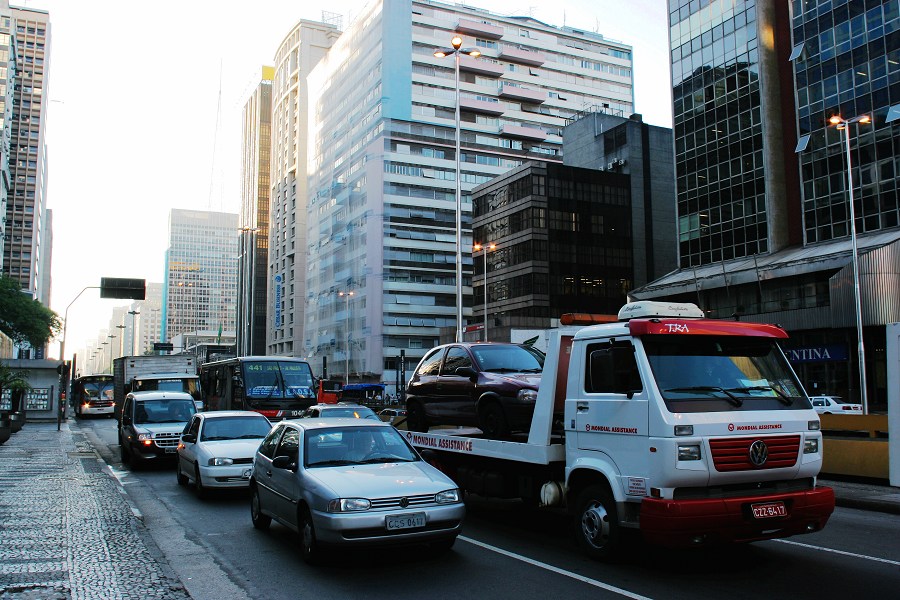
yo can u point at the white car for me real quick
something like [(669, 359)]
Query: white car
[(217, 449), (834, 405)]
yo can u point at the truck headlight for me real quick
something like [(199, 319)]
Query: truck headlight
[(447, 496), (348, 505), (527, 395), (689, 452), (811, 446), (220, 462), (144, 437)]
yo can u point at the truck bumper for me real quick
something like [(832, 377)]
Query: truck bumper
[(680, 523)]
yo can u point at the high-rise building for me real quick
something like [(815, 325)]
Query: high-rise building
[(298, 53), (25, 241), (381, 246), (253, 245), (200, 289), (7, 85), (764, 214)]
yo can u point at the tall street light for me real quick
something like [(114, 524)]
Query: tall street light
[(455, 51), (484, 251), (347, 296), (844, 125), (110, 337), (133, 314), (121, 339)]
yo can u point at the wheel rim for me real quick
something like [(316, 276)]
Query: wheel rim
[(595, 524), (308, 537), (254, 505)]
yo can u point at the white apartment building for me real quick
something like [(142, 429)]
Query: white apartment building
[(381, 209), (301, 49)]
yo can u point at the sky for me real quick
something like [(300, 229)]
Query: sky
[(145, 116)]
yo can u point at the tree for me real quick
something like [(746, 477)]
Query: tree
[(24, 319)]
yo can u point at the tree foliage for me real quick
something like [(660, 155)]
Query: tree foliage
[(24, 319)]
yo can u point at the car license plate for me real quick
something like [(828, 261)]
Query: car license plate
[(768, 510), (171, 450), (408, 521)]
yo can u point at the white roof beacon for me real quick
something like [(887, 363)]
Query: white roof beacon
[(646, 309)]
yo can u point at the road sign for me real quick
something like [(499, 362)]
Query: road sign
[(117, 287), (163, 346)]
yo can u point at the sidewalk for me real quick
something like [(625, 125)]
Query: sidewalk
[(67, 530)]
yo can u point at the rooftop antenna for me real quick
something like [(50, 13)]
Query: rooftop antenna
[(334, 19)]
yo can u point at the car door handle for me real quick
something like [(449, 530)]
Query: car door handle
[(268, 473), (581, 407)]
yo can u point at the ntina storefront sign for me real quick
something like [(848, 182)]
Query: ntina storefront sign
[(826, 353)]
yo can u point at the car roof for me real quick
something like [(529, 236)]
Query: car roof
[(314, 424), (221, 414), (158, 395), (340, 405)]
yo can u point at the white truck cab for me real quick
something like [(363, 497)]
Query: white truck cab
[(692, 430)]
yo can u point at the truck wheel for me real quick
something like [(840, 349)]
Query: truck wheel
[(492, 421), (597, 527), (415, 418)]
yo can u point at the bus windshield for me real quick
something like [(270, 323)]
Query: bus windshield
[(722, 373), (277, 380)]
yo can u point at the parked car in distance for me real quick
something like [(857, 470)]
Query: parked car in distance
[(394, 416), (217, 448), (489, 385), (351, 483), (151, 424), (834, 405), (341, 409)]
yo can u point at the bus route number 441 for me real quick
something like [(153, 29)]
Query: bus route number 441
[(768, 510)]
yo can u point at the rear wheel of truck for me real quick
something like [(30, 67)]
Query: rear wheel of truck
[(415, 418), (597, 526)]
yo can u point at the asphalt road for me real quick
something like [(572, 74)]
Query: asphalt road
[(506, 551)]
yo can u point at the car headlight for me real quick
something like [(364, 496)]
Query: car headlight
[(527, 395), (811, 446), (348, 504), (143, 437), (220, 462), (689, 452), (447, 496)]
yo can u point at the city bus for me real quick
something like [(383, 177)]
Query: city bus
[(93, 395), (279, 387)]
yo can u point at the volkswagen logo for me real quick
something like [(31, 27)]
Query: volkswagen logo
[(759, 452), (404, 502)]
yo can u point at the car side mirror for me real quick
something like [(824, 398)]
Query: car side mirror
[(467, 372), (189, 438), (284, 462)]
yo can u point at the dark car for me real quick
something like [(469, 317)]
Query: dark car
[(492, 386)]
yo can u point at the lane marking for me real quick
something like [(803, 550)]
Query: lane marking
[(557, 570), (841, 552)]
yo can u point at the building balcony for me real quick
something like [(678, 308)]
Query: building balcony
[(481, 106), (480, 66), (525, 133), (524, 94), (479, 29), (523, 57)]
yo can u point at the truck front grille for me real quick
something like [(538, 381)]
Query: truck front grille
[(733, 454), (167, 440)]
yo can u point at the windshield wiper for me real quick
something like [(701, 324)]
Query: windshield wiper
[(782, 397), (709, 388), (333, 463)]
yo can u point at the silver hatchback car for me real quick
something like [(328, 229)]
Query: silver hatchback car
[(351, 482)]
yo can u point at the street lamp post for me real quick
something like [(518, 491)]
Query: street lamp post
[(121, 339), (485, 248), (133, 314), (347, 296), (110, 337), (844, 124), (456, 50)]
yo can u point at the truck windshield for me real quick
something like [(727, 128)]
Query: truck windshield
[(722, 373), (278, 380)]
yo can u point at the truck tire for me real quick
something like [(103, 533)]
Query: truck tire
[(597, 527), (415, 418), (492, 421)]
